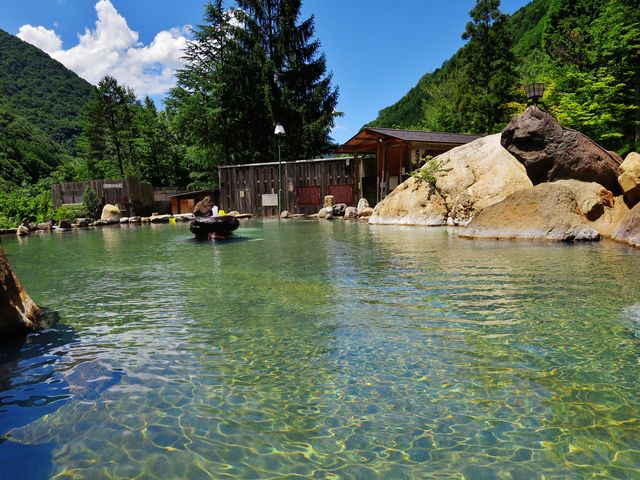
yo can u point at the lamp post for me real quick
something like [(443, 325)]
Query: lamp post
[(278, 132), (534, 92)]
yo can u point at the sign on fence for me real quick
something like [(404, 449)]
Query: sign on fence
[(269, 199)]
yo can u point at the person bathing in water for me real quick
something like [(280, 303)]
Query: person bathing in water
[(204, 208)]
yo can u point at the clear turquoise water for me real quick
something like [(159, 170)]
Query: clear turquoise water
[(323, 350)]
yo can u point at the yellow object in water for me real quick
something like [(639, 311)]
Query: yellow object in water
[(172, 220), (222, 213)]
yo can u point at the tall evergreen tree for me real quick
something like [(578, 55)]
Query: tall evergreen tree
[(489, 68), (249, 68), (159, 152), (107, 129), (298, 91), (215, 98)]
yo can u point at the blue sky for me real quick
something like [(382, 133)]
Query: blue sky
[(376, 49)]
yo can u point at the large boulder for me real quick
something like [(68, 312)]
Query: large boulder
[(18, 312), (473, 176), (45, 226), (83, 222), (548, 211), (324, 211), (328, 201), (551, 152), (362, 204), (351, 212), (365, 212), (111, 213), (413, 202), (337, 210), (598, 205), (592, 198), (628, 229), (629, 178)]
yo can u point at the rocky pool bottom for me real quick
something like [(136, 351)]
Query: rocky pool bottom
[(322, 350)]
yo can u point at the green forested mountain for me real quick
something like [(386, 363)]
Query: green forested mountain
[(525, 27), (587, 52), (41, 90), (40, 106)]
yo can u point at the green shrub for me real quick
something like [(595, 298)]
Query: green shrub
[(91, 203), (32, 202), (68, 213), (431, 170)]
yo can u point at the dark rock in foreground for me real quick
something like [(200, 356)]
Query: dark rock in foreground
[(18, 312), (551, 152), (213, 227)]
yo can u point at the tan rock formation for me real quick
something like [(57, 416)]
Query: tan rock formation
[(18, 312), (365, 212), (362, 204), (474, 176), (628, 229), (592, 198), (548, 211), (413, 202), (111, 213), (629, 179)]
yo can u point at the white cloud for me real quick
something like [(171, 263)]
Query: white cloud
[(46, 40), (112, 48)]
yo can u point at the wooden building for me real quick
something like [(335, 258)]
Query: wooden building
[(387, 156), (130, 194), (381, 159), (184, 202), (253, 188)]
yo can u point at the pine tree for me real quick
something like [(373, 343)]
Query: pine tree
[(107, 128), (298, 91), (91, 203), (158, 150), (249, 68), (214, 101), (489, 69)]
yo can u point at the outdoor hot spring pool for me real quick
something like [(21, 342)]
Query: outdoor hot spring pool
[(322, 350)]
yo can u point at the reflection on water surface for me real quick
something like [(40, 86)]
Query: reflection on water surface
[(322, 350)]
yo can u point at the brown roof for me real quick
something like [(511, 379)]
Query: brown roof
[(193, 193), (366, 139)]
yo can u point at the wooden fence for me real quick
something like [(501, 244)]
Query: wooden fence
[(253, 188), (130, 194)]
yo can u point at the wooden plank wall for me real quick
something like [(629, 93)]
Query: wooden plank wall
[(133, 193), (242, 186)]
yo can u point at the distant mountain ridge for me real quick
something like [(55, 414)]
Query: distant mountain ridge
[(40, 111), (41, 89), (526, 26)]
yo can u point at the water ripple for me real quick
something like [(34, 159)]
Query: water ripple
[(325, 350)]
